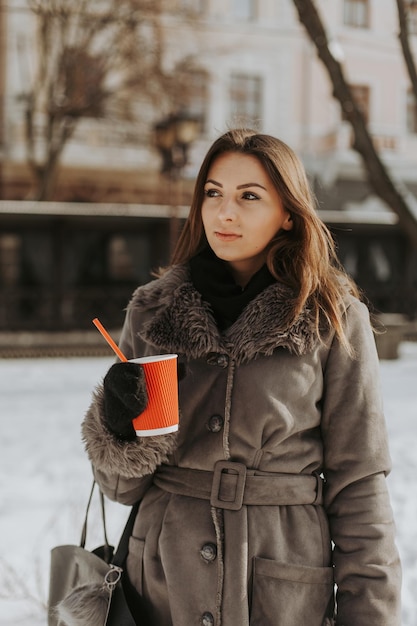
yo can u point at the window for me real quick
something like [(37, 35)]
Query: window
[(197, 100), (197, 7), (356, 13), (119, 258), (361, 93), (244, 10), (246, 98), (10, 255), (411, 112), (192, 93)]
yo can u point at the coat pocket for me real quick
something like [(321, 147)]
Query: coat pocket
[(290, 595), (134, 562)]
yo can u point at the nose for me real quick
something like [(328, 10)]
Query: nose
[(227, 211)]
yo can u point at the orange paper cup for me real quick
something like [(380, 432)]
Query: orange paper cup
[(161, 415)]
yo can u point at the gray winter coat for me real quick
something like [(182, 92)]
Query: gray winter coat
[(273, 402)]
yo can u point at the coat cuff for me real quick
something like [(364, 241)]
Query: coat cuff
[(126, 458)]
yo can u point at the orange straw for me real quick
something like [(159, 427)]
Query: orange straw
[(109, 340)]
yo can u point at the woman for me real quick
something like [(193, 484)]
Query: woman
[(273, 490)]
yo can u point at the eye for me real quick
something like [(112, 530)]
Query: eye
[(211, 193), (249, 195)]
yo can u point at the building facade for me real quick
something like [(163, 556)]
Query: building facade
[(245, 62)]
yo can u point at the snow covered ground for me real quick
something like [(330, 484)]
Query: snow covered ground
[(45, 477)]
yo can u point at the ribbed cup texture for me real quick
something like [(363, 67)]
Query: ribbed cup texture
[(162, 387)]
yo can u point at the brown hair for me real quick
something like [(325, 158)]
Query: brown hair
[(304, 257)]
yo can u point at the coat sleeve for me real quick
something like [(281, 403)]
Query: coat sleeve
[(123, 469), (356, 462)]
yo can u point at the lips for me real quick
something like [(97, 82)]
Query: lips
[(226, 236)]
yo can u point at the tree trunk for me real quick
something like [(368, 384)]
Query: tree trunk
[(381, 180), (59, 130), (405, 45)]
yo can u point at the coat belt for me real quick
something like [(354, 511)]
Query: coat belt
[(232, 485)]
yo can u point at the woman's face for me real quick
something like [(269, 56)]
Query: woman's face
[(241, 213)]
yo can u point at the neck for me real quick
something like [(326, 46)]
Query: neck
[(242, 275)]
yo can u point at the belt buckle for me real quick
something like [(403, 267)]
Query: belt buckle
[(235, 470)]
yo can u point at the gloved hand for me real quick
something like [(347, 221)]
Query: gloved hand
[(125, 398)]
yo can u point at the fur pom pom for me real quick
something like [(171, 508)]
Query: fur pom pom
[(86, 605)]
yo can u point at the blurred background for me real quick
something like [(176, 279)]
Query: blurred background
[(107, 108)]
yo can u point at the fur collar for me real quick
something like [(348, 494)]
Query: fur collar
[(183, 323)]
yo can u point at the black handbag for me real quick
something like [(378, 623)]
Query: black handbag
[(91, 588)]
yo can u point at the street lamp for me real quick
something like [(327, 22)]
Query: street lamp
[(173, 137)]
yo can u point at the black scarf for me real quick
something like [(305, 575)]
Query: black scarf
[(214, 281)]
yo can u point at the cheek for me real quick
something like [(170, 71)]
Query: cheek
[(208, 216), (265, 232)]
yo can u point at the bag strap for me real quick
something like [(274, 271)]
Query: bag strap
[(123, 546), (103, 518)]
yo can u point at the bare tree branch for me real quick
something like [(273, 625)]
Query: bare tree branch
[(378, 175), (95, 59), (403, 35)]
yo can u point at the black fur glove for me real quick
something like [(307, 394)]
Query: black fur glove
[(125, 398)]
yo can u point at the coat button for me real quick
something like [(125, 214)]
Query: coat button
[(209, 552), (222, 360), (215, 423), (207, 619)]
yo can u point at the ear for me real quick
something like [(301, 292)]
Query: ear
[(288, 223)]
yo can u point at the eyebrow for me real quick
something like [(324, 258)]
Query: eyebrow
[(244, 186)]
